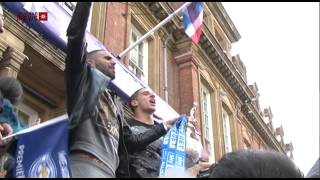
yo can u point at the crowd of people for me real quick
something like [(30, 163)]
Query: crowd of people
[(105, 144)]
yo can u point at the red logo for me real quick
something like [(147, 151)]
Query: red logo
[(43, 16), (32, 16)]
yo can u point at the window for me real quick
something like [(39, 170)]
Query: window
[(207, 121), (226, 131), (138, 57), (26, 114)]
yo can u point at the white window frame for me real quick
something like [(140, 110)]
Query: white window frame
[(226, 131), (207, 120), (139, 66), (32, 114)]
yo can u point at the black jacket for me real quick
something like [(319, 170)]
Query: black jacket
[(145, 163), (85, 84)]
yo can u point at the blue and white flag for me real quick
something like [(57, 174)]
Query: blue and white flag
[(42, 150), (173, 158)]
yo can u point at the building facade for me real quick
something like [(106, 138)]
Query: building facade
[(182, 73)]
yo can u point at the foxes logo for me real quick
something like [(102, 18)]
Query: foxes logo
[(43, 167)]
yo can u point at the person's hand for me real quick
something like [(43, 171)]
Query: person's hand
[(169, 123), (5, 130), (194, 170), (3, 174)]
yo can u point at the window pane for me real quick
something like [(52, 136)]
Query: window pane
[(26, 114), (134, 37), (23, 116), (226, 131), (207, 121), (138, 59), (140, 54)]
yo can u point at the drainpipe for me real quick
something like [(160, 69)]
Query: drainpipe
[(165, 59)]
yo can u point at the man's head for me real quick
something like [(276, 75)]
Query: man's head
[(144, 100), (11, 89), (102, 61), (1, 20), (10, 94), (255, 164)]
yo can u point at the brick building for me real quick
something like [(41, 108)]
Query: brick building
[(228, 112)]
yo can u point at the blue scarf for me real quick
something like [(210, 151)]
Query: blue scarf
[(8, 116), (173, 156)]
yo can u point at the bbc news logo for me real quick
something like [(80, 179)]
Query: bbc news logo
[(32, 16)]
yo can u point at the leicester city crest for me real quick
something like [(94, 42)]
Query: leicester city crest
[(43, 167), (63, 164)]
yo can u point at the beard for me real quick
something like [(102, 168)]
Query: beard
[(110, 74)]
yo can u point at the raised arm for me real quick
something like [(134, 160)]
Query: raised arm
[(76, 47), (75, 71)]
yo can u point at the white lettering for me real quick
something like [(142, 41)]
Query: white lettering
[(19, 168)]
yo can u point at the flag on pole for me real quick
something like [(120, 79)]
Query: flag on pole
[(42, 150), (192, 20)]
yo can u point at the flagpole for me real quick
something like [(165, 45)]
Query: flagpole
[(154, 29), (29, 129)]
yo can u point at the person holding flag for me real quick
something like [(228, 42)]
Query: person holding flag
[(22, 149), (29, 152), (99, 136), (144, 162), (10, 93)]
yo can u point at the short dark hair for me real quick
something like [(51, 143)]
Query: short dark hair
[(255, 164), (133, 97), (92, 54), (11, 89)]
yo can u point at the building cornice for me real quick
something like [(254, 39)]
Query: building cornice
[(237, 83), (224, 20), (233, 77), (35, 40)]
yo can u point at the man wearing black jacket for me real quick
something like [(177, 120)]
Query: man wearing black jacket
[(99, 136), (146, 162)]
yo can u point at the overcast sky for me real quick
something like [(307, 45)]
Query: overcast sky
[(279, 46)]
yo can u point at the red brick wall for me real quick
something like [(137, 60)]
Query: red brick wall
[(189, 89), (173, 82), (115, 33)]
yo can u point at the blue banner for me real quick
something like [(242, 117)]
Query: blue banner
[(42, 151), (173, 157)]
